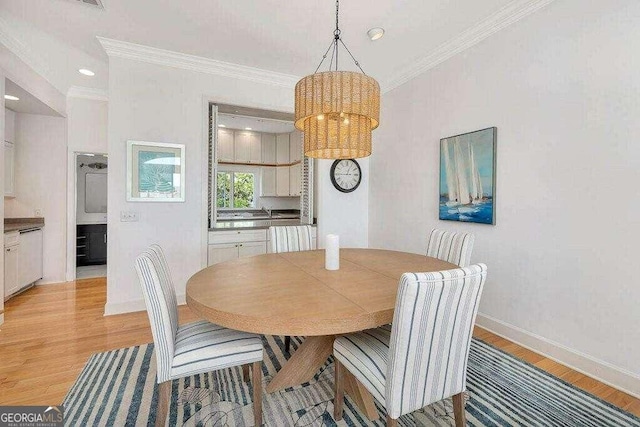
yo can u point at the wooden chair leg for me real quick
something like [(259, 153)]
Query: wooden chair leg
[(287, 343), (257, 393), (458, 410), (338, 399), (164, 400), (391, 422), (245, 373)]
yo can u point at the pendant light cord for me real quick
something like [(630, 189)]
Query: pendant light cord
[(334, 44)]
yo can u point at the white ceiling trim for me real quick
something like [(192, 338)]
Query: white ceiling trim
[(88, 93), (511, 13), (22, 51), (152, 55)]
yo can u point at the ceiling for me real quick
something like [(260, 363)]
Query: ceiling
[(28, 103), (286, 37), (256, 124)]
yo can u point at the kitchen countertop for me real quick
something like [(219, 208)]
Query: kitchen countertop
[(255, 224), (20, 224)]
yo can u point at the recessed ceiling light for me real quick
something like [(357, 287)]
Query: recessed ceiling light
[(247, 128), (11, 98), (86, 72), (375, 33), (222, 126)]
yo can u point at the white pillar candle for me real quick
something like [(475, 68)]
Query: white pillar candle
[(332, 252)]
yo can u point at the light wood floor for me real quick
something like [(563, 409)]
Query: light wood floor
[(50, 332)]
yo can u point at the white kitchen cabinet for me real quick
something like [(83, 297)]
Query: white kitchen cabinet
[(11, 266), (295, 178), (9, 125), (269, 148), (251, 249), (282, 181), (222, 253), (295, 146), (268, 181), (9, 169), (242, 147), (30, 259), (282, 149), (232, 244), (255, 148), (248, 148), (225, 145)]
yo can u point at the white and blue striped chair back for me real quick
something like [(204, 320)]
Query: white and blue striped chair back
[(166, 281), (293, 238), (430, 337), (451, 246), (159, 297)]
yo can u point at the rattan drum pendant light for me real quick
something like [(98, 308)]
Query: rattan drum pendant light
[(337, 110)]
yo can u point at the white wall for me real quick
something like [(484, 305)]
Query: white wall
[(562, 87), (344, 214), (87, 125), (155, 103), (40, 183)]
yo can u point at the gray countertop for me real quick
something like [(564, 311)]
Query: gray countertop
[(252, 224), (21, 224)]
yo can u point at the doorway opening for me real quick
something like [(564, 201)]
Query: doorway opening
[(91, 170)]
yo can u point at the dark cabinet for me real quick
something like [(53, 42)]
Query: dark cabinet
[(91, 244)]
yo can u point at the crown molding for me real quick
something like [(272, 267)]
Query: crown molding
[(88, 93), (510, 14), (152, 55)]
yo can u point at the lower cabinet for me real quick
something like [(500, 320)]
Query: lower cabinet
[(228, 245), (23, 260), (91, 244), (30, 259), (11, 270)]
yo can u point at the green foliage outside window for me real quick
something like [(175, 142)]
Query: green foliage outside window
[(235, 190), (243, 190), (223, 192)]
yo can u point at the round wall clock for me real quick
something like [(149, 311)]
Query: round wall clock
[(345, 175)]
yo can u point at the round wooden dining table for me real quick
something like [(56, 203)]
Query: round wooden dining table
[(293, 294)]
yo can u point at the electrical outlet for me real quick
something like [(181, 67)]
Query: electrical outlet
[(128, 216), (38, 213)]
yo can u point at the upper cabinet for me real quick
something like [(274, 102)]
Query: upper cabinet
[(9, 126), (295, 146), (282, 149), (225, 145), (248, 147), (268, 148)]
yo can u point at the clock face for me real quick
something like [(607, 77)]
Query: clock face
[(345, 175)]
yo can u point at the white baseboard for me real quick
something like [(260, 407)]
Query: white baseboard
[(600, 370), (132, 306)]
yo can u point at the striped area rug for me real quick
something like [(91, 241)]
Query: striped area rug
[(117, 388)]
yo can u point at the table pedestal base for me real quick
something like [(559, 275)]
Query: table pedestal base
[(307, 360)]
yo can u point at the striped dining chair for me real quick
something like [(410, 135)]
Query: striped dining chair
[(290, 238), (193, 348), (451, 246), (422, 357)]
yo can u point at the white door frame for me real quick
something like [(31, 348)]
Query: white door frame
[(72, 199)]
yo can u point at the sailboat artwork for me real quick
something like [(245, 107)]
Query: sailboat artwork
[(467, 177)]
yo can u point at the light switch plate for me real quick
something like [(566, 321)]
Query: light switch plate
[(128, 216)]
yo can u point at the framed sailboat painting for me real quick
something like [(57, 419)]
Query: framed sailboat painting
[(468, 177)]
